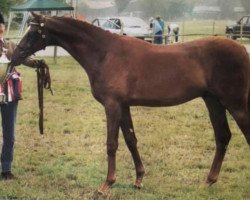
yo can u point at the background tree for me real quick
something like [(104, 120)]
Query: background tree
[(6, 4), (246, 5), (167, 9), (176, 8), (121, 4), (226, 8)]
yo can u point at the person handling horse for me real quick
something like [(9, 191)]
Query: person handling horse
[(10, 94)]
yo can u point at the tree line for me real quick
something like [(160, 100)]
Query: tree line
[(167, 8), (6, 4), (171, 9)]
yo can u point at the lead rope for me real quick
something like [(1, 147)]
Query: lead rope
[(43, 81)]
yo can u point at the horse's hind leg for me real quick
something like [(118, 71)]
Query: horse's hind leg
[(131, 141), (242, 118), (217, 114)]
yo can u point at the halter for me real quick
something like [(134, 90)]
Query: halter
[(41, 31)]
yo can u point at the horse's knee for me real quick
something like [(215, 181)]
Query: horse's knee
[(225, 138), (112, 148), (131, 140)]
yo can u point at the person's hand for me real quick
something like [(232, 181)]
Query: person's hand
[(43, 70)]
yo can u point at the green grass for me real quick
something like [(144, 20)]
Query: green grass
[(69, 161), (195, 29)]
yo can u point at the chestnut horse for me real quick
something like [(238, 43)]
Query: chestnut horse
[(124, 71)]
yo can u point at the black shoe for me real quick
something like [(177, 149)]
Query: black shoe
[(7, 175)]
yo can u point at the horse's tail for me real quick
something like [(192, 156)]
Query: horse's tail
[(248, 55), (248, 100)]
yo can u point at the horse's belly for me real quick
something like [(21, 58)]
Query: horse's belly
[(172, 97)]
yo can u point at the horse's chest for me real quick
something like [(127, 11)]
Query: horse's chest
[(99, 91), (107, 90)]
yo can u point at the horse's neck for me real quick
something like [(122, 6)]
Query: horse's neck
[(88, 44)]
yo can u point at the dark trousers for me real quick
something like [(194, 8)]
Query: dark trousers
[(8, 113), (158, 38)]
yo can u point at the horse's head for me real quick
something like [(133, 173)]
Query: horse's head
[(34, 40)]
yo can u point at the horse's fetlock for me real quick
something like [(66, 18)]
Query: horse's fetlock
[(211, 180), (111, 181), (140, 172)]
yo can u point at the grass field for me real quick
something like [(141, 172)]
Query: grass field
[(69, 161), (194, 29)]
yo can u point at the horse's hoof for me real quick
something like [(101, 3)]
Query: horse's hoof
[(138, 185), (211, 181), (104, 188)]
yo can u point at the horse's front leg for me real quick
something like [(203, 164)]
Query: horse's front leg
[(131, 141), (113, 115)]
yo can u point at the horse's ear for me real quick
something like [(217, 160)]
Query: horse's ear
[(36, 16)]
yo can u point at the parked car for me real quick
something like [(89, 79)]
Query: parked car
[(234, 31), (131, 26)]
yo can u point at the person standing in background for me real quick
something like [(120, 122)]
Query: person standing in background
[(157, 26), (161, 22)]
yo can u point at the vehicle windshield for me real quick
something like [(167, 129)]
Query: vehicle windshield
[(130, 22), (244, 20), (110, 24)]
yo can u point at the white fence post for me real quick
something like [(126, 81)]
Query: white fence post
[(213, 27)]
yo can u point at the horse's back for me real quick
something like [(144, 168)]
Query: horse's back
[(215, 54), (173, 74)]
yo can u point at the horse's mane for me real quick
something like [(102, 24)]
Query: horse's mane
[(76, 31), (79, 33), (75, 25), (77, 17)]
